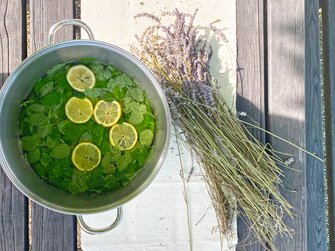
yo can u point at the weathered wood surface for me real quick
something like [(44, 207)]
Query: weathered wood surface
[(53, 231), (328, 24), (315, 193), (50, 230), (250, 86), (286, 107), (279, 86), (13, 205)]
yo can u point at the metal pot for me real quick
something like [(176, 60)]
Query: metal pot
[(16, 89)]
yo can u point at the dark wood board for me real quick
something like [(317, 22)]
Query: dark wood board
[(287, 106), (13, 204), (250, 86), (328, 46), (315, 192), (50, 230)]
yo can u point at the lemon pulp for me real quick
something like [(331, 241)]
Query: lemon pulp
[(107, 114), (80, 78), (86, 156), (78, 110), (123, 136)]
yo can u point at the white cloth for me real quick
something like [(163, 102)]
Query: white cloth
[(157, 218)]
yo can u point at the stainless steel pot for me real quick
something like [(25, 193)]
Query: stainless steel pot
[(16, 89)]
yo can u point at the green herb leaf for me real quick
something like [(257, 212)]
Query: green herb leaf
[(30, 143), (47, 88), (136, 93), (86, 137), (95, 92), (60, 151), (146, 137), (53, 98), (57, 67), (35, 119), (106, 164), (115, 154), (97, 134), (34, 156), (78, 183), (124, 161), (135, 118), (36, 108), (135, 107), (44, 130), (124, 81), (62, 126), (50, 142)]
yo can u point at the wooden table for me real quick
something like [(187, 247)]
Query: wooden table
[(278, 85)]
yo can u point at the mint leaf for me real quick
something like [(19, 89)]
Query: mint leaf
[(60, 151), (115, 154), (30, 143), (34, 156), (57, 112), (140, 154), (136, 110), (146, 137), (78, 183), (36, 118), (36, 108), (116, 88), (86, 137), (135, 107), (62, 126), (53, 98), (124, 161), (95, 92), (46, 159), (136, 93), (135, 118), (111, 182), (47, 88), (108, 97), (124, 81), (97, 134), (50, 142), (58, 67), (100, 71), (44, 130), (106, 164)]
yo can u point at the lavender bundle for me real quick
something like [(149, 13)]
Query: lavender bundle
[(241, 173)]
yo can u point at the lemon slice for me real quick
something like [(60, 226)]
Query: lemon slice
[(123, 136), (86, 156), (107, 113), (79, 110), (80, 78)]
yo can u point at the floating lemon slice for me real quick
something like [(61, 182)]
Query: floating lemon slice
[(79, 110), (86, 156), (107, 113), (123, 136), (80, 78)]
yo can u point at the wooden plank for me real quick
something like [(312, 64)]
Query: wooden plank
[(286, 107), (50, 230), (315, 192), (250, 85), (43, 14), (328, 32), (13, 204)]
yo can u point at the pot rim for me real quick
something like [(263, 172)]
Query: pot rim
[(61, 209)]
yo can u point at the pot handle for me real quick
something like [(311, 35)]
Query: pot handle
[(97, 231), (65, 22)]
